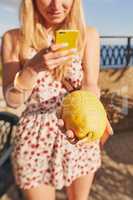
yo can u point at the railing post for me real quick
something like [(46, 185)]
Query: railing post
[(128, 51)]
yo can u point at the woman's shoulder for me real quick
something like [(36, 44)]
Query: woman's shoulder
[(10, 39), (92, 42), (92, 37), (91, 32), (12, 34)]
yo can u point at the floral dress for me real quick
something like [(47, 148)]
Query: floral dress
[(41, 153)]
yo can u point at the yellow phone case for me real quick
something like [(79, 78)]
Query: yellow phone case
[(67, 36)]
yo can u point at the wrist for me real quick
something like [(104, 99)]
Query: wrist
[(33, 64), (14, 97), (25, 79), (37, 61)]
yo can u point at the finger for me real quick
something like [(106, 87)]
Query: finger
[(83, 141), (55, 47), (58, 61), (104, 138), (59, 113), (51, 67), (72, 140), (70, 134), (58, 54), (67, 85), (102, 143), (109, 128), (60, 122), (101, 146)]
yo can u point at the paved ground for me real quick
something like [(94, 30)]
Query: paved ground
[(114, 181)]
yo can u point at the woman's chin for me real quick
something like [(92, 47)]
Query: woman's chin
[(56, 20)]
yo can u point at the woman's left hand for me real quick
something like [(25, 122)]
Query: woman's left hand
[(107, 133)]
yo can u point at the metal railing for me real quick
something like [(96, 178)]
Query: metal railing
[(116, 54)]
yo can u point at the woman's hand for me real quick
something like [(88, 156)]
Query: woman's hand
[(72, 138), (107, 133), (71, 135), (52, 57)]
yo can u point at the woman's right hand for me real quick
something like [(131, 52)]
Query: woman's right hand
[(55, 57), (69, 133), (72, 138)]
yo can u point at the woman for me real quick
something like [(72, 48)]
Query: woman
[(43, 158)]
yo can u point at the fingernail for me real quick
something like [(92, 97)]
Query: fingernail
[(74, 50), (68, 57), (72, 140), (65, 58), (112, 132), (70, 134), (60, 122)]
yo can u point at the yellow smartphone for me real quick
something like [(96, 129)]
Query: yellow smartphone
[(67, 36)]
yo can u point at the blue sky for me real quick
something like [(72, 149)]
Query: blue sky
[(110, 17)]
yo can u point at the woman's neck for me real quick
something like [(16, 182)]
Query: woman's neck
[(51, 28)]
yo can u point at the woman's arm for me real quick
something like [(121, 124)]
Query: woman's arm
[(91, 66), (91, 62), (10, 66)]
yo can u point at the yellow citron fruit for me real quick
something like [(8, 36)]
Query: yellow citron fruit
[(85, 114)]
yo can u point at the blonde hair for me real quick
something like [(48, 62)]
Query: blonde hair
[(33, 32)]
